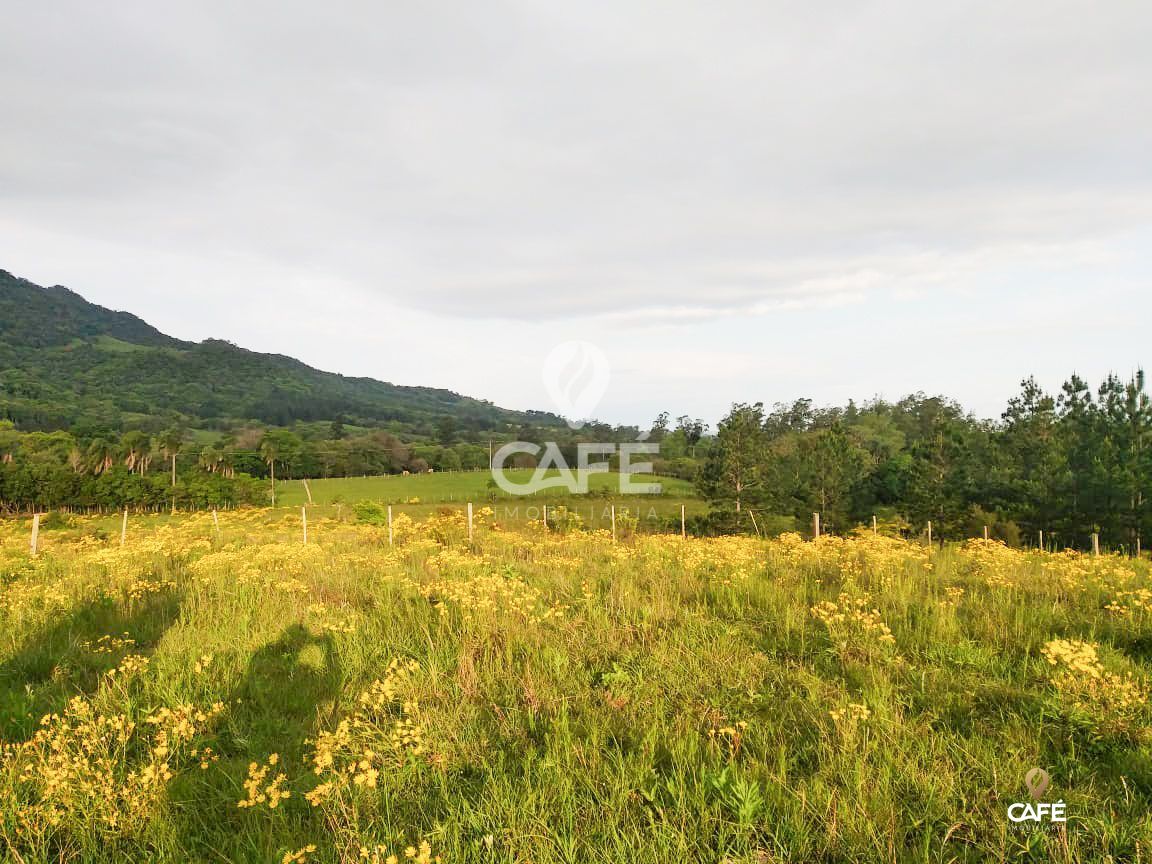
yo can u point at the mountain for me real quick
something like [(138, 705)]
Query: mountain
[(69, 363)]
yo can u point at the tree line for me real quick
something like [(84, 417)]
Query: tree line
[(1068, 464), (107, 470)]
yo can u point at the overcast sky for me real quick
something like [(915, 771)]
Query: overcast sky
[(735, 201)]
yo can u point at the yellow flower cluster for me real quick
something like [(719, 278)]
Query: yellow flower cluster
[(105, 770), (129, 666), (206, 756), (953, 594), (480, 592), (991, 561), (109, 644), (1000, 567), (332, 620), (381, 733), (1074, 571), (853, 617), (730, 737), (853, 713), (259, 790), (1078, 658), (1129, 603), (850, 722), (397, 677), (872, 556), (1110, 701), (380, 855), (281, 566), (299, 856), (175, 726)]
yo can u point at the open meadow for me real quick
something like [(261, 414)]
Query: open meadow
[(445, 487), (420, 495), (223, 692)]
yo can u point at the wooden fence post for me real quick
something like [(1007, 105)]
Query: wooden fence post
[(929, 532), (683, 524), (1095, 544), (545, 511), (35, 545), (985, 532), (815, 526), (613, 523), (874, 531), (389, 524), (124, 527), (470, 522), (1041, 541)]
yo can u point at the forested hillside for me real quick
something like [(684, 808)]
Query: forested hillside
[(98, 409), (66, 363)]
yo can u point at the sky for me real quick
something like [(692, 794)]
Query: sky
[(734, 201)]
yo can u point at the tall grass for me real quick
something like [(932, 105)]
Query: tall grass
[(550, 697)]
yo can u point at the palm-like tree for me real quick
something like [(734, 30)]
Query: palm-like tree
[(9, 442), (171, 443), (210, 459), (101, 455), (148, 452), (136, 444), (228, 462), (270, 452)]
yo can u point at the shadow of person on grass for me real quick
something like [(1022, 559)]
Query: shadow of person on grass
[(284, 692), (289, 692), (67, 658)]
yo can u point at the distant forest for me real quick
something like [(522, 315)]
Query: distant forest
[(200, 468), (1068, 464)]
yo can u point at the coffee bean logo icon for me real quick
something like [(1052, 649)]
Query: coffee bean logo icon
[(1037, 781)]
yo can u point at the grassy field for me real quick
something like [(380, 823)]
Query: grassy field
[(454, 487), (226, 693), (420, 495)]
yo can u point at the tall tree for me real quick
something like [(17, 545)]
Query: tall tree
[(137, 446), (737, 462), (838, 462), (270, 453), (101, 454), (171, 443), (1079, 433), (659, 428), (692, 430), (1032, 467)]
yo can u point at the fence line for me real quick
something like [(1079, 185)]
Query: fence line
[(667, 526)]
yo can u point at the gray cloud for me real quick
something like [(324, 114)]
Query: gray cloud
[(636, 161)]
